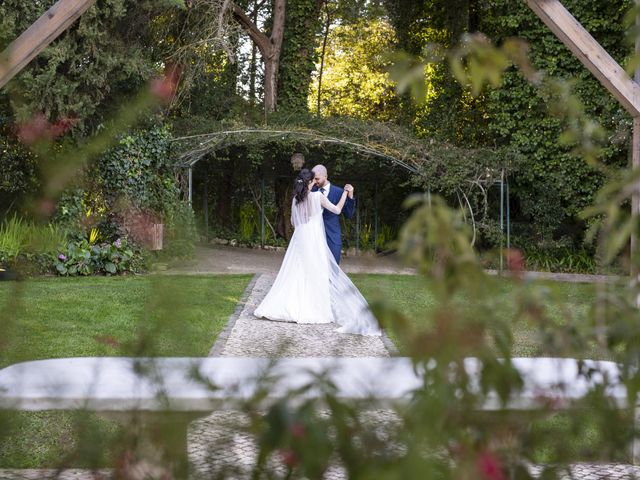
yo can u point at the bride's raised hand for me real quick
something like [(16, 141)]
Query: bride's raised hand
[(349, 189)]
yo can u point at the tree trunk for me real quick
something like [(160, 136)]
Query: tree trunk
[(224, 194), (253, 66), (283, 198), (270, 85), (270, 49), (327, 28)]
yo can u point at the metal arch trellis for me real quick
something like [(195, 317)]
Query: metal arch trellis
[(208, 142), (505, 208), (212, 140)]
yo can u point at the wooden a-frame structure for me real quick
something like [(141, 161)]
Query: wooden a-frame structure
[(39, 35), (552, 12)]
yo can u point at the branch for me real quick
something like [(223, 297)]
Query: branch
[(260, 39), (257, 7), (223, 11)]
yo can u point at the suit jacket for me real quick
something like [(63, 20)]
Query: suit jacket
[(331, 220)]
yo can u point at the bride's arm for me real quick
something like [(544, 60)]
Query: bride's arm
[(324, 201)]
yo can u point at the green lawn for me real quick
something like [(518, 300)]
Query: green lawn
[(68, 317), (563, 303), (181, 316), (164, 316)]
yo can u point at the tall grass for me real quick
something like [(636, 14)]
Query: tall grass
[(19, 236)]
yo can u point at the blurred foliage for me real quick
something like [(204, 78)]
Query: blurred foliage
[(442, 431)]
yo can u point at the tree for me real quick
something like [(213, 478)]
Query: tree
[(270, 47), (299, 53), (355, 78)]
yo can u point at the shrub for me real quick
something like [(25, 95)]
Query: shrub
[(180, 231), (561, 259), (18, 172), (248, 222), (365, 236), (27, 246), (385, 237), (83, 258)]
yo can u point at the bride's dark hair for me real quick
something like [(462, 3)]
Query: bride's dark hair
[(301, 184)]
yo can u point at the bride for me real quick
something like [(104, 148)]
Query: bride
[(310, 286)]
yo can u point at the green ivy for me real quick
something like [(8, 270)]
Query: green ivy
[(553, 184), (298, 56), (18, 173), (138, 170)]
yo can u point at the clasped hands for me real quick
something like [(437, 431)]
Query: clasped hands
[(349, 189)]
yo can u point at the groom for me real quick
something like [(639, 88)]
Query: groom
[(331, 220)]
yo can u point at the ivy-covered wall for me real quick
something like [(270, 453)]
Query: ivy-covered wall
[(556, 184), (553, 184)]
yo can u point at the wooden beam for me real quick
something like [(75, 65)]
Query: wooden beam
[(589, 52), (40, 34)]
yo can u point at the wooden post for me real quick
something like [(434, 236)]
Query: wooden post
[(262, 212), (502, 221), (190, 184), (589, 52), (635, 165), (375, 219), (205, 206), (635, 200), (39, 35)]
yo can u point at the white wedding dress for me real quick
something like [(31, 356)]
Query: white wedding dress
[(310, 286)]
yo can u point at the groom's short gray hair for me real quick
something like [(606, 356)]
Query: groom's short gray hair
[(320, 170)]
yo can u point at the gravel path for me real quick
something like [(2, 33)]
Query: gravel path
[(253, 337)]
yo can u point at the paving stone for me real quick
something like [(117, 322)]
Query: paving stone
[(595, 471), (221, 446), (72, 474)]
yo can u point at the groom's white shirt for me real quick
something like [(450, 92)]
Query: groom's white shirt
[(326, 187)]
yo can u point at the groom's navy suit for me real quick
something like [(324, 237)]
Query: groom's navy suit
[(332, 221)]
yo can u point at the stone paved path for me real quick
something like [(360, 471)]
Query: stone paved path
[(250, 336)]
